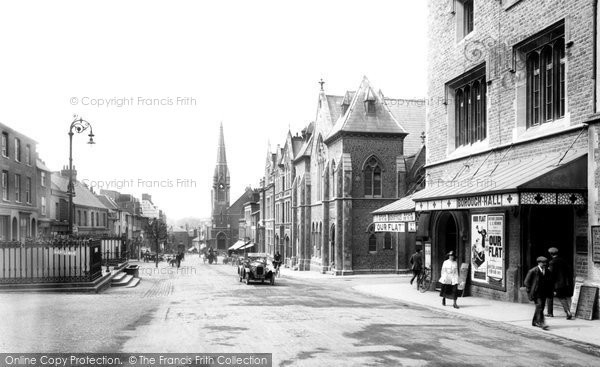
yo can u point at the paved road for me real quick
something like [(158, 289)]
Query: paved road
[(303, 322)]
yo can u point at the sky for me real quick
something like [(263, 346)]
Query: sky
[(156, 78)]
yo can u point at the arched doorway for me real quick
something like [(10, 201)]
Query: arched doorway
[(221, 241), (15, 230), (446, 240), (332, 256), (287, 247)]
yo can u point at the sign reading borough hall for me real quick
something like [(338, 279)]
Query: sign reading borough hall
[(487, 249)]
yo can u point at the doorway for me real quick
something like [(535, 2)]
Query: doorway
[(447, 240), (547, 227), (221, 241)]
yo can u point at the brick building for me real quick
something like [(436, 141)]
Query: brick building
[(510, 90), (20, 185), (266, 232), (351, 162)]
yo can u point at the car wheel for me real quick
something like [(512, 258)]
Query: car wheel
[(247, 279), (272, 279)]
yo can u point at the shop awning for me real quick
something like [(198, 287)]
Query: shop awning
[(504, 182), (406, 204), (247, 246), (237, 245)]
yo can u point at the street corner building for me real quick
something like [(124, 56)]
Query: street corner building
[(322, 186), (512, 142)]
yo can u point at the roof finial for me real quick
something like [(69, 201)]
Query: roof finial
[(321, 82)]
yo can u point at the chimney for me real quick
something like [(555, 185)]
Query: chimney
[(65, 172)]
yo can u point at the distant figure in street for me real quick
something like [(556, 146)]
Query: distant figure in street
[(416, 264), (277, 260), (538, 283), (449, 279), (563, 283), (147, 256), (178, 258)]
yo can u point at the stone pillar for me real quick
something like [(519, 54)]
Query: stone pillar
[(325, 226), (346, 238)]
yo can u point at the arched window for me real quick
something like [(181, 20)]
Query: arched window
[(372, 178), (387, 241), (372, 242)]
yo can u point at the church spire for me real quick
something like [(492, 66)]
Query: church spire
[(221, 157)]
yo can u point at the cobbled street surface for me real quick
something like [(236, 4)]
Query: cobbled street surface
[(203, 308)]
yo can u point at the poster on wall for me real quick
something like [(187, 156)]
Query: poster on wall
[(487, 249)]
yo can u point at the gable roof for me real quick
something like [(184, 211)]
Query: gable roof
[(410, 113), (357, 120), (83, 196)]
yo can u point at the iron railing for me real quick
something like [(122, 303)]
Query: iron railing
[(49, 261)]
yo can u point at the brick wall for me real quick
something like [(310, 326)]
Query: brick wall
[(497, 29)]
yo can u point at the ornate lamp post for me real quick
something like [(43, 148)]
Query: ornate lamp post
[(78, 125)]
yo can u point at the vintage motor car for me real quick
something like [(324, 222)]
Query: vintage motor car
[(256, 267)]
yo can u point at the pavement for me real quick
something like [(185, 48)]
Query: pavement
[(397, 288)]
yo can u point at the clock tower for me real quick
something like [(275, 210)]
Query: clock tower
[(221, 228)]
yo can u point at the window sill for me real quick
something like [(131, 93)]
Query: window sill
[(467, 150), (522, 133)]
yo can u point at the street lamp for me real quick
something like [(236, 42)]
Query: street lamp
[(78, 125)]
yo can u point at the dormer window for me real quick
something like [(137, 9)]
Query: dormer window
[(370, 102), (370, 107)]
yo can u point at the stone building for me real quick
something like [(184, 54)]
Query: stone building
[(511, 89), (351, 162), (221, 235), (266, 224)]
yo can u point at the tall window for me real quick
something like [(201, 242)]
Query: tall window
[(387, 240), (28, 190), (56, 211), (43, 178), (79, 217), (372, 242), (43, 205), (464, 17), (5, 185), (5, 144), (546, 79), (28, 154), (18, 188), (372, 174), (17, 150), (470, 107)]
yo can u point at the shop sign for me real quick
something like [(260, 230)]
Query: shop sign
[(412, 226), (488, 249), (390, 227), (396, 217), (469, 202)]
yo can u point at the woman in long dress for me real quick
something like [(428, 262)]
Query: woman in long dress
[(449, 279)]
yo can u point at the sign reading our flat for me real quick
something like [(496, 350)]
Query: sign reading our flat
[(390, 227), (467, 202)]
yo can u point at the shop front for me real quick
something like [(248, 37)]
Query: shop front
[(399, 220), (499, 230)]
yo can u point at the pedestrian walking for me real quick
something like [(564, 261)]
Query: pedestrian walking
[(449, 279), (538, 283), (562, 278), (416, 265)]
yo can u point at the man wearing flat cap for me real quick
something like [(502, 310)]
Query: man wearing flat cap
[(562, 281), (539, 285)]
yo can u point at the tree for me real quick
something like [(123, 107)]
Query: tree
[(156, 230)]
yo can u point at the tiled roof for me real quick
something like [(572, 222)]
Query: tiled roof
[(83, 196), (108, 202), (411, 115), (499, 177), (406, 204), (40, 165), (357, 120), (335, 106), (306, 148)]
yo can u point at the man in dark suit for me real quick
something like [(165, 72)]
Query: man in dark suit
[(563, 283), (539, 285), (416, 264)]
